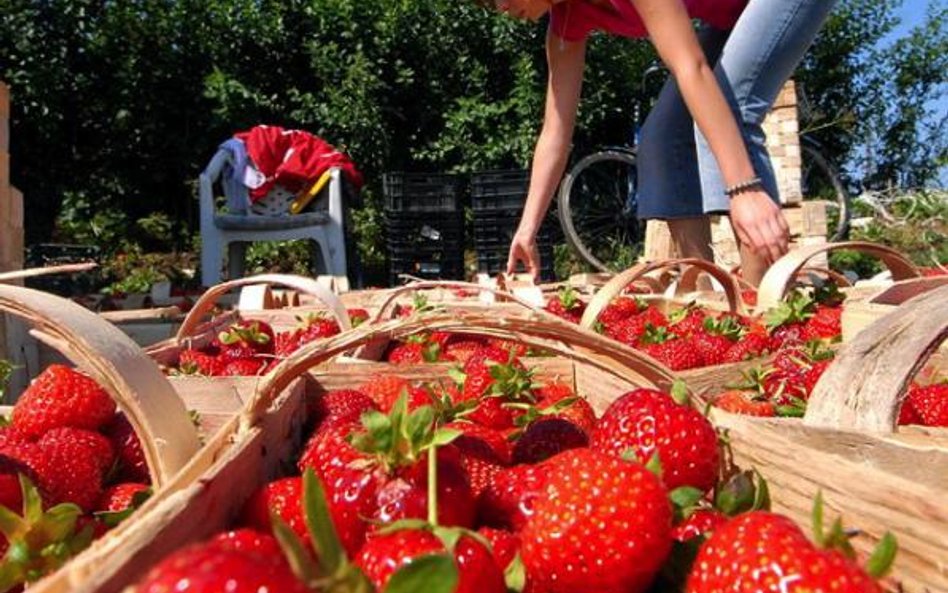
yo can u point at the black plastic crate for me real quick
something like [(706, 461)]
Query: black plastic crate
[(494, 263), (422, 192), (452, 269), (499, 190)]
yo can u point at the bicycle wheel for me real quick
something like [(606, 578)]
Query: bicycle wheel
[(821, 182), (596, 206)]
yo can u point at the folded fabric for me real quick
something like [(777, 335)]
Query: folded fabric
[(294, 159)]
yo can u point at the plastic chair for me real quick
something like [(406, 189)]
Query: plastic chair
[(230, 231)]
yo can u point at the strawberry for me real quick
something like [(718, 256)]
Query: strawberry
[(603, 524), (670, 349), (509, 500), (343, 405), (248, 540), (246, 339), (557, 400), (787, 323), (492, 413), (85, 443), (546, 437), (618, 310), (515, 349), (245, 367), (216, 566), (715, 338), (687, 321), (732, 559), (283, 498), (195, 362), (742, 401), (505, 545), (481, 442), (128, 448), (700, 522), (11, 467), (357, 316), (61, 396), (415, 350), (480, 473), (649, 422), (749, 296), (477, 570), (64, 470), (386, 389), (121, 497), (566, 305), (751, 345), (461, 350), (826, 322), (930, 403)]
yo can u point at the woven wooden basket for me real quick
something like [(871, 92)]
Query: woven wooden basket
[(216, 399), (847, 444), (169, 440), (251, 448)]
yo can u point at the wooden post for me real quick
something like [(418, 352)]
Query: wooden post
[(14, 339), (807, 220)]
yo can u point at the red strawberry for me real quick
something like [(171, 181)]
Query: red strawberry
[(547, 437), (752, 345), (383, 555), (649, 422), (246, 339), (120, 497), (357, 316), (749, 296), (509, 500), (214, 567), (930, 403), (11, 494), (701, 522), (503, 544), (195, 362), (743, 401), (669, 349), (64, 470), (826, 322), (131, 458), (245, 367), (461, 350), (343, 405), (566, 305), (618, 310), (249, 540), (481, 442), (480, 473), (516, 349), (316, 326), (731, 560), (557, 400), (85, 442), (385, 390), (416, 349), (283, 498), (492, 413), (687, 321), (603, 525), (715, 338), (61, 396)]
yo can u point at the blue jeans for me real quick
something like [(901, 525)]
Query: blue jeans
[(678, 174)]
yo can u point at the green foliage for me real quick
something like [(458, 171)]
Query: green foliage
[(135, 272), (288, 257)]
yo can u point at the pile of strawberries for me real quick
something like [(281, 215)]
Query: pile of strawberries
[(694, 337), (494, 483), (926, 405), (251, 347), (65, 451)]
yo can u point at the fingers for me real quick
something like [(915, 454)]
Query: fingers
[(512, 259), (782, 238)]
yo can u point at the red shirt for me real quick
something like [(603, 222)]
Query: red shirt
[(573, 20)]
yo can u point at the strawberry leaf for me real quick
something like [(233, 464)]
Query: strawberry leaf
[(433, 573), (296, 554), (680, 393), (737, 495), (319, 522), (819, 530), (444, 436), (685, 497), (654, 465), (762, 494), (515, 576), (113, 518), (880, 563)]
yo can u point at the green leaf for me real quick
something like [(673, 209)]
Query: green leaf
[(819, 529), (457, 375), (322, 531), (654, 465), (515, 575), (762, 494), (445, 436), (113, 518), (434, 573), (32, 502), (883, 557), (680, 393), (11, 523), (737, 495), (402, 525), (301, 563), (685, 497)]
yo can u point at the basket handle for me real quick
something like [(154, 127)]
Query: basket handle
[(306, 285), (863, 388), (778, 278), (551, 334), (614, 287), (169, 439), (392, 295)]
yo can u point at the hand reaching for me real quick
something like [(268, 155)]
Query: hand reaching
[(759, 224), (523, 248)]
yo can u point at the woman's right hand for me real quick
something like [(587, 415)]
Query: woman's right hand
[(759, 224), (523, 248)]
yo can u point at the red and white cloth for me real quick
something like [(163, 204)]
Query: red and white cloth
[(294, 159)]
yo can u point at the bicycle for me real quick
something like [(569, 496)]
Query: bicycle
[(597, 199)]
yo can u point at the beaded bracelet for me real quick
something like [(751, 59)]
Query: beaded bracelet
[(743, 186)]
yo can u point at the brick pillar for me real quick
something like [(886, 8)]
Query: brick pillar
[(783, 142), (13, 336)]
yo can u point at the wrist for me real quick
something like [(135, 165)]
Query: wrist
[(749, 184)]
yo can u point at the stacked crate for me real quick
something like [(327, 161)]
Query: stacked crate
[(424, 225), (497, 198)]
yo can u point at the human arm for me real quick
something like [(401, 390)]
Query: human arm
[(566, 61), (757, 221)]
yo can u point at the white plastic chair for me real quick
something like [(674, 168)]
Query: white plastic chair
[(229, 232)]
